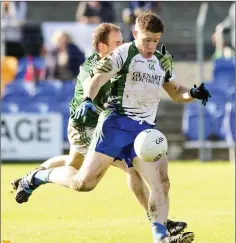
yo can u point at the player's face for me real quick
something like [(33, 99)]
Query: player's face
[(147, 42), (115, 39)]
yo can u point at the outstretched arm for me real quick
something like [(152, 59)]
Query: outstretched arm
[(177, 92), (182, 94)]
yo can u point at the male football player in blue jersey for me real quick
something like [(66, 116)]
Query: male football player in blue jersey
[(106, 37), (139, 74)]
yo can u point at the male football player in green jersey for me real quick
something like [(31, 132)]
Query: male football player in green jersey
[(106, 37)]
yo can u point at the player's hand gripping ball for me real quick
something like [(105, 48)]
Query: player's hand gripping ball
[(150, 145)]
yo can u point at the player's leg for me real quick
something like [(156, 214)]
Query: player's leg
[(158, 205), (138, 186), (94, 167), (50, 163), (73, 161), (91, 172), (156, 175), (78, 137), (74, 158), (53, 162), (135, 183)]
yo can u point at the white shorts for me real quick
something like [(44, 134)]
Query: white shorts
[(79, 137)]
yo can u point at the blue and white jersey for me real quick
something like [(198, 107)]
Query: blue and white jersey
[(136, 88)]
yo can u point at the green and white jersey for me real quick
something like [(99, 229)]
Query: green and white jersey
[(91, 118), (136, 88)]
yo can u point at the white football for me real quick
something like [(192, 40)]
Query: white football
[(150, 145)]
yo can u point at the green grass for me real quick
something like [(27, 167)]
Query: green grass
[(201, 194)]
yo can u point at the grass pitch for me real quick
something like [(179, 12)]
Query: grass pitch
[(201, 194)]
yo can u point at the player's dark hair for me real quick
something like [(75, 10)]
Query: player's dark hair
[(149, 21), (101, 33)]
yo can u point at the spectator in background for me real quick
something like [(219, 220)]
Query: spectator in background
[(228, 24), (13, 12), (65, 59), (95, 12), (35, 69), (13, 16), (135, 7)]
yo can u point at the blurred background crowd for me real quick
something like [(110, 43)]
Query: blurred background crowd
[(44, 43)]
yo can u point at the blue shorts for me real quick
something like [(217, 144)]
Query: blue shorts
[(115, 135)]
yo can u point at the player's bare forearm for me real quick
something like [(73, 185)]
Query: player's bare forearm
[(177, 92), (183, 95), (103, 72), (93, 86)]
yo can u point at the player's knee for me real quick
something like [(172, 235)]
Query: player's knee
[(75, 161), (82, 186)]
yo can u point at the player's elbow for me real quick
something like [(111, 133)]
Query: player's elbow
[(176, 98), (181, 96), (174, 90)]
